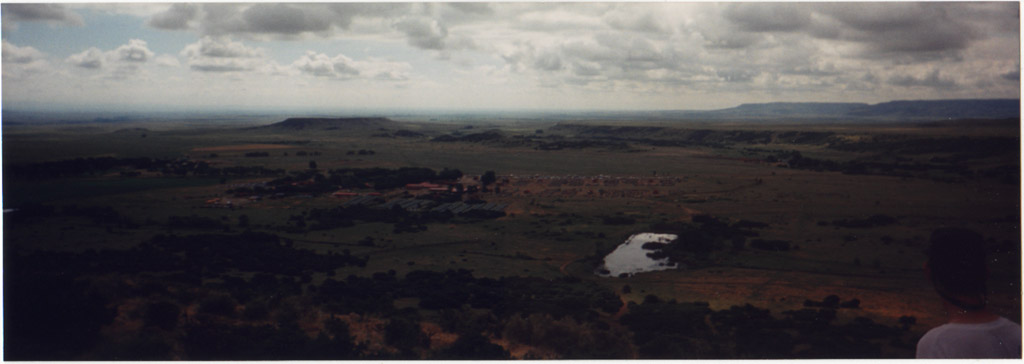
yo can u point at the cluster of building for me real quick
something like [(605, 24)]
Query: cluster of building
[(600, 180), (421, 205)]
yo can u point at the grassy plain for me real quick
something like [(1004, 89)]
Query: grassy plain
[(558, 199)]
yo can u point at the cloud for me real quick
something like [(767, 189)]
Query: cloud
[(548, 61), (343, 67), (285, 19), (736, 75), (167, 60), (177, 17), (641, 20), (423, 33), (22, 62), (1013, 74), (558, 20), (91, 58), (320, 65), (273, 20), (219, 47), (472, 8), (902, 27), (135, 52), (50, 13), (768, 17), (19, 55), (932, 80), (221, 54)]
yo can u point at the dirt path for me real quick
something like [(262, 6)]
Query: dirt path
[(566, 264), (622, 309)]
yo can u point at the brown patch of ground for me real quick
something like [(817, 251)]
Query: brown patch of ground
[(241, 147), (521, 351), (438, 337), (366, 330)]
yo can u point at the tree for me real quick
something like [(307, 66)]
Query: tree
[(312, 164), (488, 178)]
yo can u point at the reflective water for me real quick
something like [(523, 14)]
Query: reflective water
[(630, 257)]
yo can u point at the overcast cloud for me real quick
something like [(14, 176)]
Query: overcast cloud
[(511, 55)]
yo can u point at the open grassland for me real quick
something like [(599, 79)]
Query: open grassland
[(572, 195)]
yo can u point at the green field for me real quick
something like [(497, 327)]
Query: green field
[(561, 182)]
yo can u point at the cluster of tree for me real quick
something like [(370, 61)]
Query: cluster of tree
[(833, 302), (383, 179), (770, 245), (868, 166), (580, 144), (218, 341), (487, 136), (458, 289), (244, 316), (99, 215), (698, 240), (664, 330), (314, 182), (869, 222), (618, 220), (257, 154), (961, 148), (83, 166), (340, 216), (49, 316), (199, 256), (130, 168), (361, 152)]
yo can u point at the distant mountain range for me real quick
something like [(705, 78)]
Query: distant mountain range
[(893, 110), (330, 123)]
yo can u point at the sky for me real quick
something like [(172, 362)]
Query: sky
[(502, 56)]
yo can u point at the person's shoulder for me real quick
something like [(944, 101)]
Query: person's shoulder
[(1003, 321), (928, 347), (1007, 327)]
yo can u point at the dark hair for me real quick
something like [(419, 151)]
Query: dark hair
[(956, 259)]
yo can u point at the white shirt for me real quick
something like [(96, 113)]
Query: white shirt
[(995, 339)]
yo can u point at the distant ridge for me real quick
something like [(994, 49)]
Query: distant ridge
[(331, 123), (902, 109)]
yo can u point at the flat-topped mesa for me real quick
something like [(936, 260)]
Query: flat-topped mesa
[(331, 123)]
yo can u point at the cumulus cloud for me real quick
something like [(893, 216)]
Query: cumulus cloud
[(1013, 75), (286, 19), (221, 54), (866, 50), (166, 60), (21, 62), (637, 20), (902, 27), (273, 20), (472, 8), (768, 17), (932, 80), (91, 58), (343, 67), (135, 52), (19, 55), (321, 65), (177, 17), (219, 47), (50, 13), (423, 33)]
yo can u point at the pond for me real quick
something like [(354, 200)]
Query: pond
[(631, 258)]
